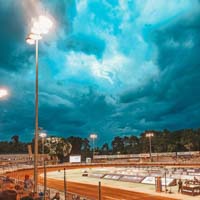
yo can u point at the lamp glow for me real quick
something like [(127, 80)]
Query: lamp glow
[(39, 28), (149, 134), (43, 135), (34, 36), (3, 93), (93, 136), (30, 41), (45, 22)]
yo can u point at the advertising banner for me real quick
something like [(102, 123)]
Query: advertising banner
[(75, 159), (134, 179), (151, 180), (96, 175), (112, 176)]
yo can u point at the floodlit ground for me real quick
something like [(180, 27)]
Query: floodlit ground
[(75, 175)]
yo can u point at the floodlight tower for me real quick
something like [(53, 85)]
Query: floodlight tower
[(150, 135), (40, 26), (93, 136)]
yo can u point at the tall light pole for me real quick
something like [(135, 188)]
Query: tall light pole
[(150, 135), (40, 26), (93, 136), (43, 136)]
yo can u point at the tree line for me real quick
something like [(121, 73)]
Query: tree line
[(162, 141)]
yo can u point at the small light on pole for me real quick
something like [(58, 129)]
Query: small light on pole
[(93, 136), (150, 135), (43, 136)]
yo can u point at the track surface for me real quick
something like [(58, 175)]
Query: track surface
[(91, 191)]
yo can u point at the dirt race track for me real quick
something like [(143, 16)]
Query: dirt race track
[(91, 191)]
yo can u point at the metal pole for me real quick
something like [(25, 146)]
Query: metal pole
[(65, 185), (45, 180), (150, 148), (165, 181), (99, 190), (93, 148), (44, 167), (36, 121), (43, 149)]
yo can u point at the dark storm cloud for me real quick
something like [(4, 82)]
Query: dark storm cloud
[(179, 61), (174, 98), (17, 116), (134, 94), (64, 12), (80, 113), (88, 44), (59, 114), (12, 34)]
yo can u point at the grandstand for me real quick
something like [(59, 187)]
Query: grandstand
[(169, 157)]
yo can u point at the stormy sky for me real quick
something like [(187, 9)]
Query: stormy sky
[(113, 67)]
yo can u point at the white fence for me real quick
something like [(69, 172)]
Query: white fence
[(146, 155)]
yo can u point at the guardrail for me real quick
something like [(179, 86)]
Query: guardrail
[(145, 155)]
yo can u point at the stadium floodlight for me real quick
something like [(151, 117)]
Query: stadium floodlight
[(41, 26), (3, 92), (150, 135), (30, 41)]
